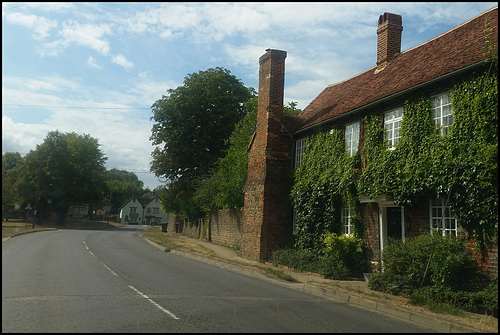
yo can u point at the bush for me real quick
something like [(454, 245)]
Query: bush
[(453, 276), (300, 260), (342, 256)]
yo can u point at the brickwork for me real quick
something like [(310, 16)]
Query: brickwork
[(369, 217), (389, 38), (226, 227), (265, 224)]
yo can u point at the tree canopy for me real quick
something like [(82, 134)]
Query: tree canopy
[(193, 122), (66, 169), (121, 186), (192, 125), (225, 187)]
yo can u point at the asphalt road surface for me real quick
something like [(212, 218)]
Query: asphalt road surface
[(114, 281)]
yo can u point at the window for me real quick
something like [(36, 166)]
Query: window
[(442, 113), (352, 138), (300, 148), (347, 213), (441, 221), (156, 210), (133, 209), (392, 124)]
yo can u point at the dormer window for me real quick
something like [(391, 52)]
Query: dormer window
[(392, 124), (442, 113), (352, 138)]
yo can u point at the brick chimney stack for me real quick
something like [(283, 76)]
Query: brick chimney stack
[(389, 38), (265, 224)]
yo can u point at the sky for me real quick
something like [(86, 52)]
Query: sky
[(96, 68)]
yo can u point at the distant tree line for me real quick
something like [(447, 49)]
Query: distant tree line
[(66, 169)]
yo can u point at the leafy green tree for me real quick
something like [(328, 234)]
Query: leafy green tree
[(193, 122), (11, 201), (192, 125), (225, 187), (66, 169), (121, 185)]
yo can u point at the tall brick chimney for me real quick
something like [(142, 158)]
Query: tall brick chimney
[(265, 224), (389, 38)]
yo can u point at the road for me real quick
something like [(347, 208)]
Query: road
[(114, 281)]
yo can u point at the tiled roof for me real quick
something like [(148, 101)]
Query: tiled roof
[(144, 201), (453, 50)]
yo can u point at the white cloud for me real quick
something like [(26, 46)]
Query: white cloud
[(122, 61), (88, 35), (39, 25), (22, 137), (92, 63)]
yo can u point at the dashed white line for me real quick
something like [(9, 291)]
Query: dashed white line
[(90, 252), (166, 311), (154, 303), (109, 269)]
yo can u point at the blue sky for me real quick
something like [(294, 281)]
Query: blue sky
[(96, 68)]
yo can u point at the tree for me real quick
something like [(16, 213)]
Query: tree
[(225, 187), (193, 123), (11, 201), (121, 185), (66, 169)]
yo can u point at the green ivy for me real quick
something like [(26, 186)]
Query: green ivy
[(461, 166), (325, 179)]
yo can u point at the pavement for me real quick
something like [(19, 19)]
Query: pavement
[(353, 292)]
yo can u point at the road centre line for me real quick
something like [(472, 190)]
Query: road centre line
[(90, 252), (133, 288), (154, 303)]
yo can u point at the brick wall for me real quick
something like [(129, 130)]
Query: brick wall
[(225, 227), (265, 225), (369, 217)]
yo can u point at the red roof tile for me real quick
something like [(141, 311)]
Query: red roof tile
[(453, 50)]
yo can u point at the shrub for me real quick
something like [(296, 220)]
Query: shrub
[(452, 277), (342, 256), (299, 260)]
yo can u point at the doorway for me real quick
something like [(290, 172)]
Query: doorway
[(394, 227), (391, 224)]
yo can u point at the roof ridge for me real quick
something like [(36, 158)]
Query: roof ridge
[(418, 46), (450, 30)]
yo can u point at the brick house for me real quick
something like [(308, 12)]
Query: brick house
[(279, 142)]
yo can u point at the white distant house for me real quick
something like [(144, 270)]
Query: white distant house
[(146, 211)]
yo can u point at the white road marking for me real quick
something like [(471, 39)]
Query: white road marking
[(154, 303)]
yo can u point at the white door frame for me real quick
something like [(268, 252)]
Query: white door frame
[(383, 222)]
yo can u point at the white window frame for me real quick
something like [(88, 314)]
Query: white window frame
[(352, 138), (133, 209), (440, 219), (300, 149), (392, 125), (346, 218), (442, 112)]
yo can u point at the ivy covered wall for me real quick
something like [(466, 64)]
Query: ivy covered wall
[(461, 166)]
